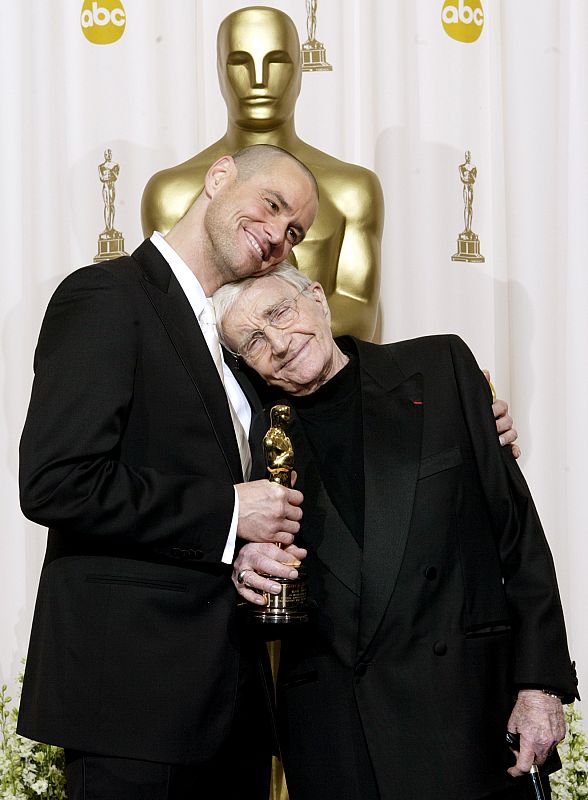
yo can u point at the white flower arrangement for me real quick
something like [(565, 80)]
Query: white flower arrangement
[(27, 769), (571, 782)]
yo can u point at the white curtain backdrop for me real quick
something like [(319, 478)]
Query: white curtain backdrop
[(404, 99)]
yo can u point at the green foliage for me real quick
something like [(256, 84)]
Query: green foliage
[(27, 769), (571, 782)]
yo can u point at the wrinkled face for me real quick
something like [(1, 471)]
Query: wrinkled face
[(258, 63), (298, 358), (253, 224)]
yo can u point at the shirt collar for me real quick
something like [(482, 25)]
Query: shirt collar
[(186, 278)]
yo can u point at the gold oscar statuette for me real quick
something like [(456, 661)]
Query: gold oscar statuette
[(259, 68), (468, 244), (314, 55), (111, 243), (290, 606)]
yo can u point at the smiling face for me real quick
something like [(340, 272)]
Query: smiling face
[(299, 358), (252, 224), (258, 62)]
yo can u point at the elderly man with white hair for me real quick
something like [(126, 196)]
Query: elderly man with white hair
[(438, 623)]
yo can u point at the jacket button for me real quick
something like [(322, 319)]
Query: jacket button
[(440, 648), (430, 573), (360, 670)]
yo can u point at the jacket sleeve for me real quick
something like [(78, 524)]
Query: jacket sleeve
[(72, 476), (528, 573)]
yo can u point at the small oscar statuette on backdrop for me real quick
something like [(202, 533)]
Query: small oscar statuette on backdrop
[(290, 606), (468, 244), (111, 243), (314, 55)]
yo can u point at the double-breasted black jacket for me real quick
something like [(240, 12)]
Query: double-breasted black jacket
[(421, 639)]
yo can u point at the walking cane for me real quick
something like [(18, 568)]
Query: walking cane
[(513, 741)]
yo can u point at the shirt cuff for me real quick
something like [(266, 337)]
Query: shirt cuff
[(229, 551)]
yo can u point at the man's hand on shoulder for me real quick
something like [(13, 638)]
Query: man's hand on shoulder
[(268, 512), (538, 718), (504, 422)]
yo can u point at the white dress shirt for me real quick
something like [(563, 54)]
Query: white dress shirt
[(197, 299)]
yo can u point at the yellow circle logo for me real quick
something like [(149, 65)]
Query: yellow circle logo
[(463, 20), (103, 22)]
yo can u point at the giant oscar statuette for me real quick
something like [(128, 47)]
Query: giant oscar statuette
[(290, 606)]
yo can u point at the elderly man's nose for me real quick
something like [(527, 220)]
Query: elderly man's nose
[(277, 338)]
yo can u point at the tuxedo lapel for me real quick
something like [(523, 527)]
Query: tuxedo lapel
[(177, 317), (392, 430)]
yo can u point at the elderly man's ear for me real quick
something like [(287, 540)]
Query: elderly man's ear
[(318, 293), (507, 435)]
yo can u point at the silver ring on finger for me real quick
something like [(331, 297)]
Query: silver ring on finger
[(241, 575)]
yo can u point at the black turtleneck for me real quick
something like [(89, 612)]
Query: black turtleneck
[(332, 420)]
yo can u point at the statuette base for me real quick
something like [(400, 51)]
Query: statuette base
[(468, 248), (314, 57), (111, 244), (287, 608)]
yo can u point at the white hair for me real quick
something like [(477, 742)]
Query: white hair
[(226, 297)]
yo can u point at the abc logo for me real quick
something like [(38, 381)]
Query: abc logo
[(103, 22), (463, 20)]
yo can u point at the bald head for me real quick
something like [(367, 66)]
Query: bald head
[(260, 157)]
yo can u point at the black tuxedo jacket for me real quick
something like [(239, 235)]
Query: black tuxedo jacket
[(408, 674), (129, 456)]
